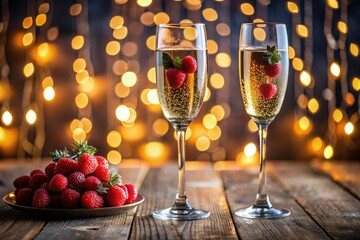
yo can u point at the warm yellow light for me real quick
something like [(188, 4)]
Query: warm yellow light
[(120, 67), (217, 81), (349, 99), (337, 115), (7, 118), (186, 21), (190, 33), (218, 111), (223, 60), (302, 101), (333, 4), (342, 26), (132, 117), (209, 121), (44, 8), (75, 9), (214, 133), (297, 64), (292, 7), (49, 93), (202, 143), (40, 19), (302, 30), (349, 128), (121, 90), (47, 82), (316, 144), (77, 42), (29, 69), (252, 126), (122, 113), (43, 50), (88, 85), (121, 1), (313, 105), (129, 79), (151, 75), (150, 42), (129, 49), (305, 78), (86, 125), (114, 139), (304, 123), (27, 22), (250, 149), (81, 100), (113, 48), (76, 123), (207, 94), (147, 18), (328, 152), (247, 9), (291, 52), (79, 65), (210, 14), (82, 76), (144, 3), (160, 127), (27, 39), (161, 18), (356, 83), (223, 29), (144, 96), (52, 33), (152, 96), (116, 22), (212, 46), (354, 49), (79, 135), (114, 157), (154, 150), (31, 116), (335, 69), (259, 34)]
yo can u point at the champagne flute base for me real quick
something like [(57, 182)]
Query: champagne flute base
[(180, 215), (262, 212)]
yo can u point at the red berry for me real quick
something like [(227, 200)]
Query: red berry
[(123, 187), (189, 64), (50, 169), (268, 90), (41, 199), (102, 173), (272, 70), (65, 166), (102, 161), (91, 183), (115, 196), (37, 180), (36, 171), (87, 163), (58, 183), (22, 181), (70, 198), (77, 181), (132, 193), (92, 199), (24, 196), (175, 77), (45, 186)]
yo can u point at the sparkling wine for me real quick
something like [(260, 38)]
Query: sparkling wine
[(262, 94), (181, 104)]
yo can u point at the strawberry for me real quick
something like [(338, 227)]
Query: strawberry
[(65, 166), (91, 183), (175, 77), (268, 90), (41, 199), (92, 199), (24, 196), (21, 181), (45, 186), (123, 187), (132, 193), (87, 163), (70, 198), (37, 180), (272, 58), (102, 161), (58, 183), (36, 171), (50, 169), (115, 196), (102, 173), (189, 64), (77, 181)]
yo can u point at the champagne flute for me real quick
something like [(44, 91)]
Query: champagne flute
[(181, 79), (263, 70)]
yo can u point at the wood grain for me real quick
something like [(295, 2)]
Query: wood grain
[(241, 187), (204, 190)]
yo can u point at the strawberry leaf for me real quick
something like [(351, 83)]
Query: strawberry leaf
[(272, 55), (178, 62), (167, 61)]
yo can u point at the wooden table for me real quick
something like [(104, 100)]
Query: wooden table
[(324, 198)]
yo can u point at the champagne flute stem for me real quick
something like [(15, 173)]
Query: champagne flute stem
[(262, 198), (181, 198)]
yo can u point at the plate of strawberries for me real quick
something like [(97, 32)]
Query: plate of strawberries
[(74, 186)]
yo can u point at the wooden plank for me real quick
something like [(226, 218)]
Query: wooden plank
[(241, 186), (345, 173), (204, 190), (330, 205)]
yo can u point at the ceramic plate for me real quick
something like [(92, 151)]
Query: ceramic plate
[(72, 213)]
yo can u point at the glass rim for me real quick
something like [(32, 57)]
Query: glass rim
[(266, 23), (180, 24)]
